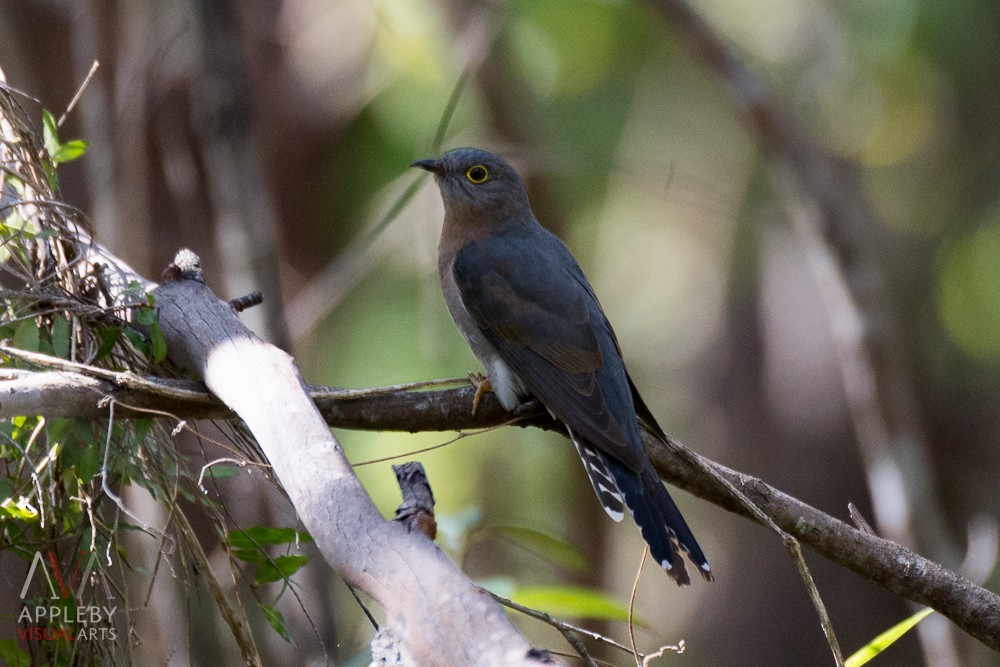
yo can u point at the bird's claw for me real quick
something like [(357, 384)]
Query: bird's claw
[(482, 385)]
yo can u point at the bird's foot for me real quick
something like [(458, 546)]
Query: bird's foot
[(482, 385)]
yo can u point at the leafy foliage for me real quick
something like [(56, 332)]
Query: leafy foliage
[(61, 479), (249, 546), (58, 152)]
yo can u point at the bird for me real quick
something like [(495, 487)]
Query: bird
[(531, 317)]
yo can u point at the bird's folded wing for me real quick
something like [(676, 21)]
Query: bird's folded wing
[(530, 299)]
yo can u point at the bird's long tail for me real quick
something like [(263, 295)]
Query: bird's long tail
[(654, 511)]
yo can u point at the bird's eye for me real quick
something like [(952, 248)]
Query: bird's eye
[(477, 174)]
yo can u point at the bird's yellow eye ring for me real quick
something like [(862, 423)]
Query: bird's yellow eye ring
[(477, 174)]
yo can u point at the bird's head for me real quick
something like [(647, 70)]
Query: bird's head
[(479, 184)]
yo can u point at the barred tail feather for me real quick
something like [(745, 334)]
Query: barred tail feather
[(605, 486), (659, 520)]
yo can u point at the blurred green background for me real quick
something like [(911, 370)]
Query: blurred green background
[(277, 134)]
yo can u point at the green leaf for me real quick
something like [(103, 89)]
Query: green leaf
[(281, 567), (20, 509), (124, 525), (60, 337), (886, 639), (45, 343), (145, 316), (248, 546), (50, 133), (258, 536), (255, 556), (222, 471), (277, 622), (15, 182), (26, 336), (61, 428), (571, 601), (137, 340), (141, 429), (159, 342), (70, 151), (59, 152), (135, 292), (16, 223), (88, 460), (12, 655), (544, 545), (51, 176), (109, 336), (22, 425)]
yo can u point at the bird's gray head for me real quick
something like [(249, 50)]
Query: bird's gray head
[(477, 183)]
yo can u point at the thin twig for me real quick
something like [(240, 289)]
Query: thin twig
[(578, 646), (677, 648), (78, 94), (413, 452), (201, 476), (563, 627), (364, 607), (324, 392), (104, 476), (631, 606)]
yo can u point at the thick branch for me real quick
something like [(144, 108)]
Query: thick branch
[(68, 389), (436, 616), (70, 393)]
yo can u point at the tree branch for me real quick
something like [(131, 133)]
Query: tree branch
[(882, 562), (436, 615)]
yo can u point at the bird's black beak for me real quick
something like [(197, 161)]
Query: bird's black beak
[(433, 166)]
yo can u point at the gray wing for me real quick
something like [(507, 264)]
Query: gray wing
[(528, 296)]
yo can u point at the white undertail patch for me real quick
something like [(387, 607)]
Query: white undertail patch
[(507, 386)]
